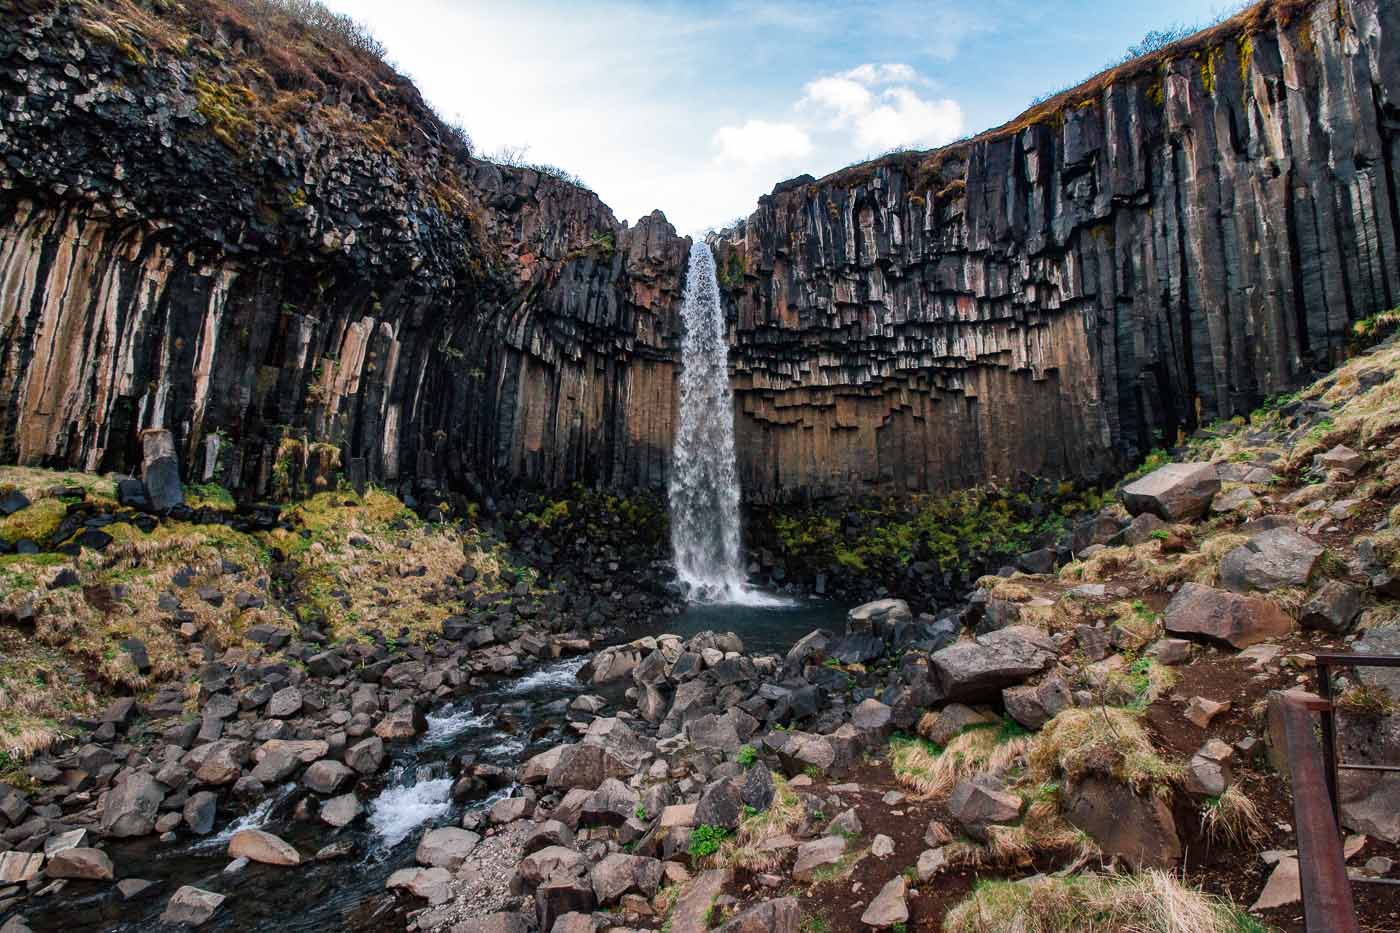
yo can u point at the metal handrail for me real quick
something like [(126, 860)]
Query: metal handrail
[(1322, 872)]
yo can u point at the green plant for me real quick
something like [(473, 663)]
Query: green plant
[(747, 756), (813, 772), (706, 839), (1160, 535), (641, 812)]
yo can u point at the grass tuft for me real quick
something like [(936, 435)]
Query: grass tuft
[(1151, 902)]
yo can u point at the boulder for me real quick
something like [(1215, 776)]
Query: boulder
[(691, 913), (952, 720), (538, 767), (447, 847), (1033, 705), (618, 874), (285, 703), (1340, 458), (431, 884), (587, 766), (328, 777), (510, 809), (562, 894), (191, 906), (1239, 621), (1138, 531), (931, 862), (782, 915), (20, 867), (404, 723), (1274, 559), (506, 923), (889, 906), (263, 848), (1208, 773), (873, 720), (547, 862), (341, 811), (611, 804), (878, 617), (82, 863), (131, 808), (1334, 608), (971, 670), (199, 812), (1176, 492), (160, 469), (976, 806), (366, 756), (721, 805), (714, 732), (1139, 830), (803, 750), (809, 648), (828, 850), (547, 833)]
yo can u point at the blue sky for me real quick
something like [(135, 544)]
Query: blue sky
[(699, 108)]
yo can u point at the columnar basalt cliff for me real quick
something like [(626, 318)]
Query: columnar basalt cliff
[(1164, 246), (294, 268), (287, 260)]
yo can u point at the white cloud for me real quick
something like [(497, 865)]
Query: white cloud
[(908, 119), (878, 105), (758, 141)]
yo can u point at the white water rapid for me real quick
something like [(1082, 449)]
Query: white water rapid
[(704, 490)]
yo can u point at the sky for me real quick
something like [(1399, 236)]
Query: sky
[(698, 108)]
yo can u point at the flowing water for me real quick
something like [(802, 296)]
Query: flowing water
[(501, 725), (704, 489)]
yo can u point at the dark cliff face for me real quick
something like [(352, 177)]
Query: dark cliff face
[(1156, 252), (287, 271), (285, 278)]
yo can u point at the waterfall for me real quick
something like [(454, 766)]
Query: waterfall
[(704, 490)]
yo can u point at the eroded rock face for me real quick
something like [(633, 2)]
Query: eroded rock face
[(1106, 276), (1139, 830)]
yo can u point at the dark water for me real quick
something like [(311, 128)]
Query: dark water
[(503, 725), (764, 630)]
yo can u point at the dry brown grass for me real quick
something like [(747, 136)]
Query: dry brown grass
[(749, 848), (922, 767), (1101, 740), (1151, 902), (1234, 818)]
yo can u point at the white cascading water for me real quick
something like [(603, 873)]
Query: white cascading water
[(704, 489)]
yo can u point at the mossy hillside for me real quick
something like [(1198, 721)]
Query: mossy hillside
[(366, 564), (959, 533), (75, 658)]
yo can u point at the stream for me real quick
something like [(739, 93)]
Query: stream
[(501, 725)]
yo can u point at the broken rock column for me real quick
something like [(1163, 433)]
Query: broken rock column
[(160, 469)]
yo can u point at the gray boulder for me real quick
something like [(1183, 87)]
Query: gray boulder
[(191, 906), (1239, 621), (980, 668), (1177, 492), (131, 808), (1272, 560), (1334, 608)]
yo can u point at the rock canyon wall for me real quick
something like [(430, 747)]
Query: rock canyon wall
[(297, 270)]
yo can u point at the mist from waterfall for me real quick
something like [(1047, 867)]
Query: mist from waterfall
[(704, 489)]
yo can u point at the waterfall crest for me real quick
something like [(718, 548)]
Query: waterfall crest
[(704, 488)]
